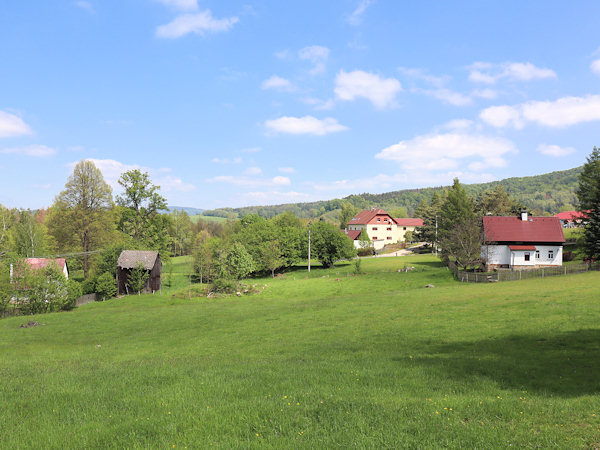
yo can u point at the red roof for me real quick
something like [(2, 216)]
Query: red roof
[(40, 263), (572, 215), (513, 229), (409, 222), (353, 234), (366, 216), (522, 247)]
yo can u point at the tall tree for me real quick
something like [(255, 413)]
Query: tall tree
[(496, 202), (430, 213), (141, 205), (456, 207), (81, 215), (588, 195), (329, 244), (348, 212)]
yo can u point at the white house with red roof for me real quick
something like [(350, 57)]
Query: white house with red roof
[(571, 219), (40, 263), (381, 227), (522, 242)]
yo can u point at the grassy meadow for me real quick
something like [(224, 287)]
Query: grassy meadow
[(331, 360)]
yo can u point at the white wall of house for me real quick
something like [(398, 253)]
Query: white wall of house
[(543, 255)]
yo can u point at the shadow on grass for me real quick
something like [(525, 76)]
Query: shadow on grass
[(566, 364)]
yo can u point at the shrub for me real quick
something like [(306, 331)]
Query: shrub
[(357, 267), (137, 278), (368, 251), (106, 286), (74, 291), (225, 285), (88, 286)]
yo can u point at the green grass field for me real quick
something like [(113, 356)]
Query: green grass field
[(197, 217), (335, 360)]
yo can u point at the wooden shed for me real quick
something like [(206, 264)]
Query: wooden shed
[(129, 260)]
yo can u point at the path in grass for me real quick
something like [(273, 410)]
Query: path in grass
[(338, 360)]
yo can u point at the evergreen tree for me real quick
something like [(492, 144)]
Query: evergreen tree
[(588, 195)]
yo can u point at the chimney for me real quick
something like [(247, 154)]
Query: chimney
[(524, 215)]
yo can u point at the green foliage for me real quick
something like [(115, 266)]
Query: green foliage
[(496, 202), (106, 261), (456, 208), (89, 286), (271, 256), (6, 290), (588, 195), (40, 290), (106, 286), (329, 244), (462, 242), (224, 285), (137, 278), (348, 211), (81, 217), (140, 215), (409, 236), (364, 240), (357, 266), (239, 263), (74, 290)]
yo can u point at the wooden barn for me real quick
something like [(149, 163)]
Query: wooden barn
[(129, 260)]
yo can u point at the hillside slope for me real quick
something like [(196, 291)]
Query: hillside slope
[(549, 193)]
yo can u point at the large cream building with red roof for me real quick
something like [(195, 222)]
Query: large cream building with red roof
[(522, 242), (381, 227)]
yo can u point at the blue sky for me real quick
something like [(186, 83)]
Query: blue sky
[(262, 102)]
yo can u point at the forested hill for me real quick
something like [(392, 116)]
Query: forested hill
[(545, 194)]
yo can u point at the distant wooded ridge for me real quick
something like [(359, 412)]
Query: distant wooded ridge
[(545, 194)]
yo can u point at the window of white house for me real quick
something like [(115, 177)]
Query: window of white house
[(550, 254), (527, 255), (389, 238), (404, 228), (374, 238), (374, 228), (389, 228), (537, 254)]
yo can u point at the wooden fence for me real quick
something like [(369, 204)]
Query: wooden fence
[(514, 275)]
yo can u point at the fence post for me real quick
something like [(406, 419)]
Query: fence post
[(542, 273)]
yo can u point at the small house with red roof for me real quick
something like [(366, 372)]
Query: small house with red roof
[(41, 263), (572, 219), (381, 227), (522, 242)]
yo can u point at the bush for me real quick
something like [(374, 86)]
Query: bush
[(74, 291), (224, 285), (368, 251), (357, 267), (106, 286), (88, 286)]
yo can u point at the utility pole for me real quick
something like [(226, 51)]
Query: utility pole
[(309, 250)]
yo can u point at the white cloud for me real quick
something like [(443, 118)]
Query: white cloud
[(236, 160), (438, 152), (447, 96), (381, 92), (318, 55), (554, 150), (11, 125), (37, 151), (287, 170), (488, 94), (250, 182), (112, 170), (502, 116), (564, 112), (482, 72), (183, 5), (458, 124), (421, 74), (320, 105), (356, 17), (86, 6), (197, 23), (253, 171), (304, 125), (278, 84), (595, 67)]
